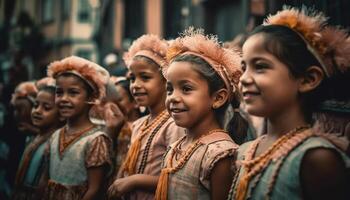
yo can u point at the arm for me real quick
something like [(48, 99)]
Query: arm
[(123, 186), (95, 180), (323, 175), (221, 178)]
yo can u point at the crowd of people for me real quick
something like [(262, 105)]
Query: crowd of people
[(268, 119)]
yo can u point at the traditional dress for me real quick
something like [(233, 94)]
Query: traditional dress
[(153, 147), (190, 178), (31, 176), (279, 178), (70, 158)]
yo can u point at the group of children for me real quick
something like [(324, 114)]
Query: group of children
[(290, 68)]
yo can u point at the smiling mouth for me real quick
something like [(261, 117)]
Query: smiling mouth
[(37, 118), (139, 94), (177, 110)]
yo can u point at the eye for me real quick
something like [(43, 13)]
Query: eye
[(145, 77), (169, 89), (260, 66), (131, 78), (243, 66), (59, 92), (186, 89), (36, 104)]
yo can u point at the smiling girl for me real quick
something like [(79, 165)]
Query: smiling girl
[(292, 64)]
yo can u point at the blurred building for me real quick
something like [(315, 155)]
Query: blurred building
[(96, 28)]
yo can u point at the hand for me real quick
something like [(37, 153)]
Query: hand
[(113, 116), (27, 127), (121, 186)]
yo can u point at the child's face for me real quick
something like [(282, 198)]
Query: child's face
[(45, 112), (124, 100), (267, 86), (22, 111), (147, 84), (188, 100), (71, 96)]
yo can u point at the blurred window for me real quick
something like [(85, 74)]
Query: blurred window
[(47, 11), (65, 8), (84, 11)]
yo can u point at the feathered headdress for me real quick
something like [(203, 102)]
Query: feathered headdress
[(26, 90), (330, 45), (226, 62), (150, 46), (46, 81), (93, 74)]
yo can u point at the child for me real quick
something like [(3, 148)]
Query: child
[(31, 178), (130, 108), (291, 64), (23, 101), (80, 151), (151, 134), (201, 81)]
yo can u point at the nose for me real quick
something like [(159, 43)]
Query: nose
[(246, 78), (135, 85), (174, 97)]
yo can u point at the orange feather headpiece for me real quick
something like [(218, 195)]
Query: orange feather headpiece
[(330, 45), (150, 46), (226, 62), (26, 90), (93, 74)]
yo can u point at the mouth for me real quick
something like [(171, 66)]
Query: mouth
[(177, 110), (249, 95), (64, 108), (139, 94), (37, 118)]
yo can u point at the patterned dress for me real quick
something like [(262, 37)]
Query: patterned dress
[(31, 176), (68, 166), (192, 181), (153, 156), (286, 185)]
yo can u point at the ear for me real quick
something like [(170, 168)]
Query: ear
[(311, 80), (219, 98)]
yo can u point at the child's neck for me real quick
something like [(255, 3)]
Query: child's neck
[(156, 110), (79, 122), (279, 125), (203, 128), (48, 130)]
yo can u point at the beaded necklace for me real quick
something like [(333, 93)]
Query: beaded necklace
[(150, 129), (162, 188), (280, 149), (65, 142)]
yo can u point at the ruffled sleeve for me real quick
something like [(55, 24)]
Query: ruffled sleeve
[(99, 152), (215, 152)]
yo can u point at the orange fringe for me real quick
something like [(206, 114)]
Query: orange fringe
[(129, 164), (162, 188)]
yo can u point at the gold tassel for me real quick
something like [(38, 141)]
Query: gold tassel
[(162, 187), (129, 165), (242, 188)]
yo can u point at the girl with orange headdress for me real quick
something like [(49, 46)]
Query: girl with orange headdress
[(152, 134), (31, 176), (79, 152), (292, 65), (201, 82)]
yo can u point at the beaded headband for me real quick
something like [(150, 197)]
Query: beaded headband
[(225, 62), (330, 45), (93, 74), (150, 46), (26, 90)]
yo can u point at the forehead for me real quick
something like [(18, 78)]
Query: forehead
[(45, 96), (254, 43), (69, 80), (182, 70), (140, 65)]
